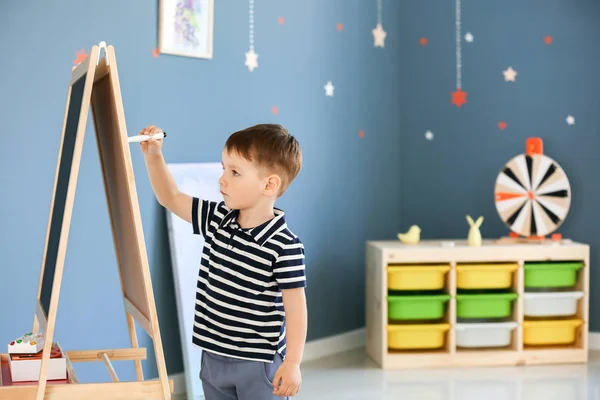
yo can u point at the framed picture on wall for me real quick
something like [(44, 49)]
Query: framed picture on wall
[(185, 28)]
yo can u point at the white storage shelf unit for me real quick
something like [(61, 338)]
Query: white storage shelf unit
[(518, 323)]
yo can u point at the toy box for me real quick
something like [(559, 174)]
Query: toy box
[(26, 367)]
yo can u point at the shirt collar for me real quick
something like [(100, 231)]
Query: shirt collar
[(262, 233)]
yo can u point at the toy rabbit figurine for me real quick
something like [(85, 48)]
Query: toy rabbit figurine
[(474, 238)]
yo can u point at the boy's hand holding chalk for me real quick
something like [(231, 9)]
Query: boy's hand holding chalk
[(150, 139)]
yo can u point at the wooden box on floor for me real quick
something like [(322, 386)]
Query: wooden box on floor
[(398, 336)]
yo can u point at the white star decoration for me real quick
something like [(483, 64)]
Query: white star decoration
[(429, 135), (571, 120), (329, 89), (251, 60), (469, 37), (379, 36), (509, 74)]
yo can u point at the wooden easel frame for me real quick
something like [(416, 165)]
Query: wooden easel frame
[(101, 92)]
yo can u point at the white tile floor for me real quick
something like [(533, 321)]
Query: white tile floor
[(353, 376)]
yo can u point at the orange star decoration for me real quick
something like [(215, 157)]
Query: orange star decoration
[(155, 53), (423, 41), (79, 57), (274, 110), (340, 26), (459, 97), (502, 125), (281, 20), (548, 39), (361, 134)]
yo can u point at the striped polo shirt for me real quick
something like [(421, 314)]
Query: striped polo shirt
[(239, 308)]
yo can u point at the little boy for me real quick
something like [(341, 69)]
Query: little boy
[(250, 314)]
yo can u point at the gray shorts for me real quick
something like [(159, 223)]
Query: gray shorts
[(228, 378)]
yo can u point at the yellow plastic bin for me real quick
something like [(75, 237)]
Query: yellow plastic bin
[(550, 332), (485, 276), (417, 277), (409, 337)]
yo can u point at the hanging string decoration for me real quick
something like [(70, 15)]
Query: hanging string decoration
[(459, 96), (251, 56), (378, 33)]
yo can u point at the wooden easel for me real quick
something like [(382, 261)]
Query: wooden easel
[(95, 82)]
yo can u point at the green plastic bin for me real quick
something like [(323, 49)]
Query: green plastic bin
[(551, 274), (494, 305), (417, 307)]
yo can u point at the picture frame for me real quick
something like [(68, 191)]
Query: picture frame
[(185, 28)]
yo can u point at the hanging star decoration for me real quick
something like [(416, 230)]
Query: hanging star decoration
[(79, 57), (469, 37), (570, 120), (379, 36), (329, 89), (459, 97), (251, 60), (429, 135), (509, 74)]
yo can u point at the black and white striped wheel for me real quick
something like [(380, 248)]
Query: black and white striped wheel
[(532, 195)]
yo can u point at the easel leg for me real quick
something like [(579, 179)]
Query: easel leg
[(160, 361), (134, 343), (44, 370)]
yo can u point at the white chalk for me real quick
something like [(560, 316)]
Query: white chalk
[(143, 138)]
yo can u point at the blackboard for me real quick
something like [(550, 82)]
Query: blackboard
[(115, 158), (60, 194)]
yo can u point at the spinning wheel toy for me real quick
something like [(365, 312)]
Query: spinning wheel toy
[(532, 193)]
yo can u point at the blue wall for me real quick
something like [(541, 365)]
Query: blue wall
[(454, 175), (348, 191)]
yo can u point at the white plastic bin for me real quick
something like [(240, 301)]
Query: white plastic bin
[(493, 334), (551, 304)]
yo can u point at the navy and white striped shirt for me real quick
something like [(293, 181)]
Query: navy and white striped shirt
[(239, 308)]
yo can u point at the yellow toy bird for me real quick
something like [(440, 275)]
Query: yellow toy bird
[(412, 236)]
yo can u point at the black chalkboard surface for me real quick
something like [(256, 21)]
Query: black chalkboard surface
[(60, 194)]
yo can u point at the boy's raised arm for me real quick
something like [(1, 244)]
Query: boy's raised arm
[(165, 189)]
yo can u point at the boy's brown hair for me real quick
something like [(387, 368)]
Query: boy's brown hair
[(269, 146)]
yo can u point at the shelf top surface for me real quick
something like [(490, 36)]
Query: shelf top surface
[(451, 244)]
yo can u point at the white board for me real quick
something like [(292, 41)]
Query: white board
[(200, 180)]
